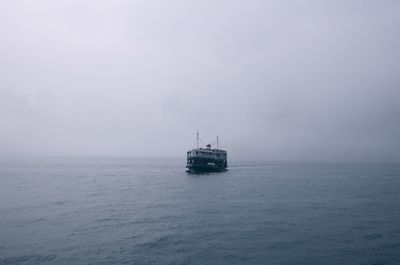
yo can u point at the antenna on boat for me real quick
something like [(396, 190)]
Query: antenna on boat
[(217, 142), (197, 138)]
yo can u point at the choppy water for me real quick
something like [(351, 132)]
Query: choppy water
[(125, 211)]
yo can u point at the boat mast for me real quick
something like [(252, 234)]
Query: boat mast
[(197, 139), (217, 142)]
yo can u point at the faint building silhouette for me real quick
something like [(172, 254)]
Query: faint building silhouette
[(16, 118)]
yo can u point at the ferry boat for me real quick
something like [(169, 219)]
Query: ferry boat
[(206, 159)]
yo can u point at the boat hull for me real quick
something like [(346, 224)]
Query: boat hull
[(204, 168)]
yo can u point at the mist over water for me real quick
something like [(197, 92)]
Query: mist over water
[(276, 81)]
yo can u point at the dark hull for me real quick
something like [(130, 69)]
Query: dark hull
[(205, 168)]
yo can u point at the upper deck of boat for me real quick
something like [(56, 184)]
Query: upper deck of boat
[(207, 152)]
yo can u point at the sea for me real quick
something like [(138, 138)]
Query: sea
[(150, 211)]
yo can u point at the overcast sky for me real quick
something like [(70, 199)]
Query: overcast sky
[(276, 80)]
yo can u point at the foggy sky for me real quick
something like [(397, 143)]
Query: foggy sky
[(276, 80)]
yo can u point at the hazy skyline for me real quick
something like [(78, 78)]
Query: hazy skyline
[(276, 80)]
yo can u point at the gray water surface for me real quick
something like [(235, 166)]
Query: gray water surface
[(137, 211)]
